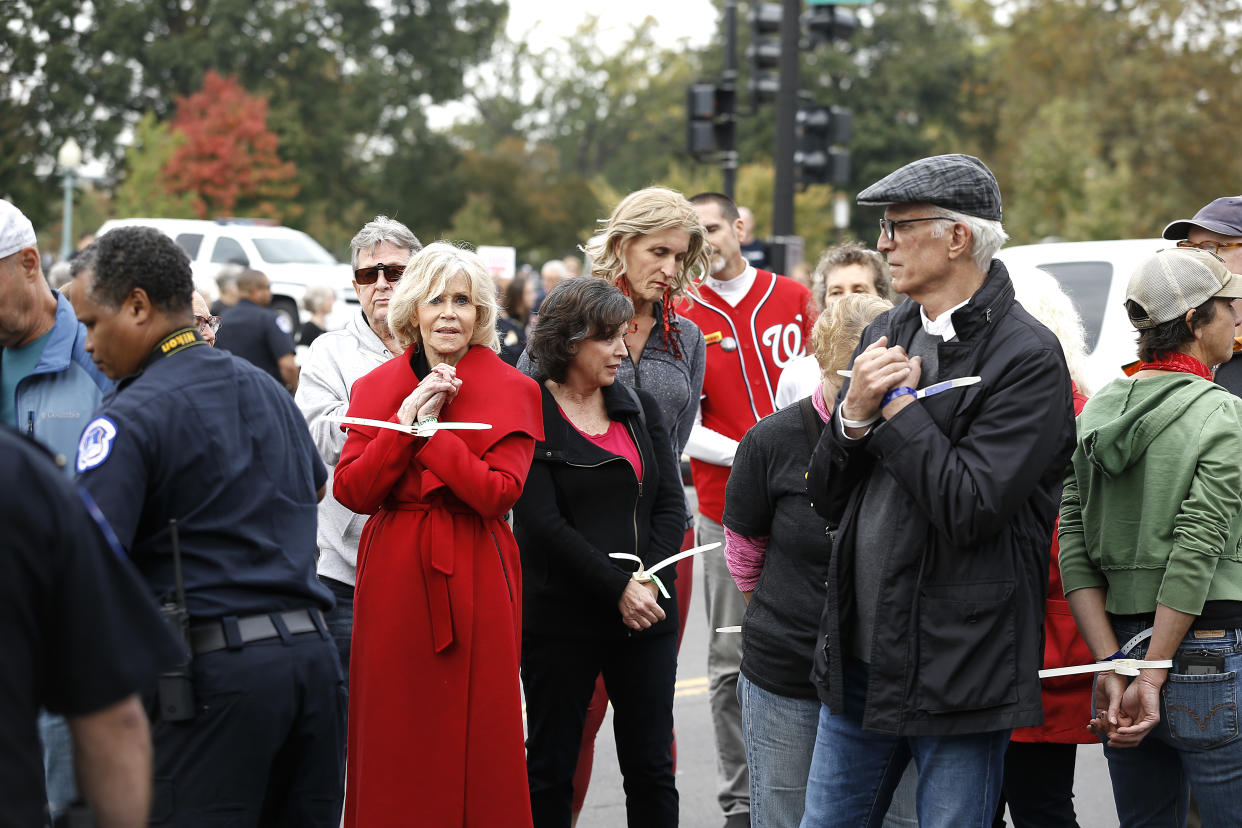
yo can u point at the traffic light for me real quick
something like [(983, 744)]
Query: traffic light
[(827, 23), (709, 118), (821, 133), (764, 51)]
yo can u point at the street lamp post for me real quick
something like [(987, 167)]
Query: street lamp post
[(69, 158)]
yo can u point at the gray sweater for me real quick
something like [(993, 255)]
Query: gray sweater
[(337, 359)]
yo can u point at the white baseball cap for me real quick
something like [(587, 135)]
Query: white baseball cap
[(16, 231)]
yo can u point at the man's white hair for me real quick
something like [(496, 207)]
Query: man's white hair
[(554, 268), (988, 236)]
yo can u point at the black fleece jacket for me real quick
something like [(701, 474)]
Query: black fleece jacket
[(579, 505)]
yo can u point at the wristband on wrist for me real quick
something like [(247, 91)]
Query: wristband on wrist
[(900, 391), (848, 423), (430, 418)]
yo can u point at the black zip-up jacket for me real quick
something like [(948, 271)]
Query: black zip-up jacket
[(580, 504), (958, 638)]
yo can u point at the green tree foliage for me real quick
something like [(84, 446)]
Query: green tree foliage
[(145, 190), (1113, 118), (347, 80)]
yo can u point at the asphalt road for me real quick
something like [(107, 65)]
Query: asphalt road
[(696, 772)]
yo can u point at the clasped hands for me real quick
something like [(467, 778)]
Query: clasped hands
[(876, 371), (638, 606), (436, 390), (1126, 710)]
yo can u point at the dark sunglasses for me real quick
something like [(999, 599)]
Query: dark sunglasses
[(369, 275)]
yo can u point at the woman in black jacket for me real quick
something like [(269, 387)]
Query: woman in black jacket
[(603, 482)]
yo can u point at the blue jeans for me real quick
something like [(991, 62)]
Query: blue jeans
[(340, 620), (780, 738), (1195, 746), (62, 788), (854, 773)]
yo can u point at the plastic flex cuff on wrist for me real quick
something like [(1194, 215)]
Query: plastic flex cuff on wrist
[(1120, 666), (900, 391), (848, 423)]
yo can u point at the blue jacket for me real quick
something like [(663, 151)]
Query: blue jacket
[(56, 400)]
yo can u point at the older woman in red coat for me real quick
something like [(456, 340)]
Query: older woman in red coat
[(435, 719)]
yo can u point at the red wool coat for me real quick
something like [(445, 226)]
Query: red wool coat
[(1066, 699), (435, 711)]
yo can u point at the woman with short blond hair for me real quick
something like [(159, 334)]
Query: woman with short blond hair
[(435, 718)]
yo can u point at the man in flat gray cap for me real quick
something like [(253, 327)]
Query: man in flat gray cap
[(941, 472), (1217, 228)]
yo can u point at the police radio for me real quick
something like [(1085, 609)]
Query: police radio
[(175, 693)]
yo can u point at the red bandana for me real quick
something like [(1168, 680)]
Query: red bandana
[(668, 321), (1175, 361)]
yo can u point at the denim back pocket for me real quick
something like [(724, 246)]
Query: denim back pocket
[(1202, 710)]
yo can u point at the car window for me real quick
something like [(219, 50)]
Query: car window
[(190, 243), (228, 251), (1087, 284), (292, 250)]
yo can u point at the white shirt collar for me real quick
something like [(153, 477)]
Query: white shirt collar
[(734, 290), (943, 325)]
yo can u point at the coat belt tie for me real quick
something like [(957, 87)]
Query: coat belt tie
[(439, 557)]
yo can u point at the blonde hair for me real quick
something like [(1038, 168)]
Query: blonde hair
[(1040, 293), (642, 213), (838, 328), (428, 273)]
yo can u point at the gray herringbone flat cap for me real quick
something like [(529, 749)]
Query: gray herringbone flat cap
[(958, 182)]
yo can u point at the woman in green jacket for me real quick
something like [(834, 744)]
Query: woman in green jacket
[(1150, 524)]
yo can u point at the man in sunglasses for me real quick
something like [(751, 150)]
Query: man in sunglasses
[(1217, 228), (335, 361), (940, 507)]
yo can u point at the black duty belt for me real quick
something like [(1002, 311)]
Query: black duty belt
[(235, 633)]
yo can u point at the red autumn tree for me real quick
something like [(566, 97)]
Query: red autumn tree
[(229, 160)]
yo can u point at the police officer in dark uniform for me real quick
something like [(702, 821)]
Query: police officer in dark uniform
[(81, 637), (195, 435), (258, 334)]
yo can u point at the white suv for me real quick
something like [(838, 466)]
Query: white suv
[(292, 260), (1094, 274)]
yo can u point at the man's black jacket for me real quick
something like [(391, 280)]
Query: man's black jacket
[(958, 638)]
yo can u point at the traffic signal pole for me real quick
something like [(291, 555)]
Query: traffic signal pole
[(728, 156), (786, 113)]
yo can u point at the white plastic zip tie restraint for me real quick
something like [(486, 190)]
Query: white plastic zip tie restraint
[(1120, 666), (425, 430), (643, 575)]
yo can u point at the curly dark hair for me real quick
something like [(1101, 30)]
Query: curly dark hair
[(138, 257), (574, 311), (1168, 337)]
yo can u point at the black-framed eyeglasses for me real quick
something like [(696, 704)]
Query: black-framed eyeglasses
[(211, 323), (889, 227), (1210, 246), (369, 275)]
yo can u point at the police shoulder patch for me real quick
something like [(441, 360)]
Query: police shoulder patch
[(284, 324), (96, 443)]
